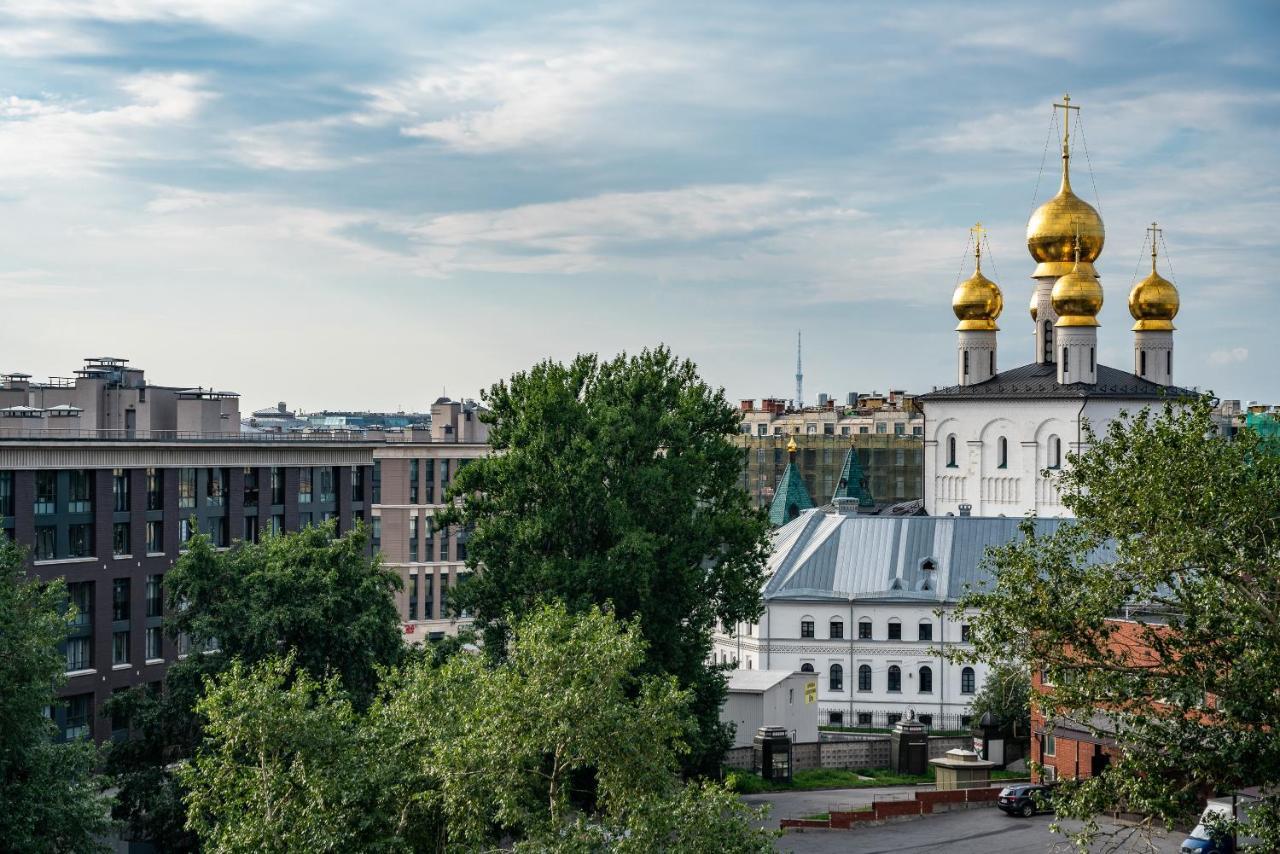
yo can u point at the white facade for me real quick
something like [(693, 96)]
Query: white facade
[(760, 698)]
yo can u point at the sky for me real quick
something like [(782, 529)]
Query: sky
[(364, 205)]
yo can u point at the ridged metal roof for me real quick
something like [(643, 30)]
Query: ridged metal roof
[(1038, 381), (836, 556)]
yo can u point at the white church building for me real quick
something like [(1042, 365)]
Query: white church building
[(853, 597)]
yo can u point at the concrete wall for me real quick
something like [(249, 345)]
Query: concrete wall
[(852, 753)]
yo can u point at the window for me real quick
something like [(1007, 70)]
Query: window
[(413, 481), (806, 628), (837, 629), (991, 361), (377, 481), (1092, 368), (1002, 453), (277, 524), (965, 370), (155, 492), (155, 595), (155, 641), (429, 598), (250, 488), (413, 596), (1048, 341), (251, 528), (79, 540), (155, 537), (6, 494), (429, 480), (1142, 363), (881, 427), (1065, 362), (864, 719), (967, 681), (926, 631), (806, 668), (120, 647), (1168, 363), (835, 681), (413, 538), (79, 712), (835, 719), (895, 630), (120, 538), (328, 487), (304, 486), (926, 680), (444, 477), (78, 654), (951, 452), (186, 487), (375, 531), (1055, 452), (1050, 744), (277, 485), (462, 547), (864, 677), (864, 630), (964, 633), (184, 533), (927, 720), (46, 492), (78, 497), (120, 599), (215, 487), (120, 490), (80, 596), (357, 484), (895, 678), (444, 594), (444, 545), (46, 542)]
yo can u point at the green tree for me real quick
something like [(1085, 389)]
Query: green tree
[(1178, 535), (326, 599), (617, 483), (463, 756), (50, 797), (1006, 694)]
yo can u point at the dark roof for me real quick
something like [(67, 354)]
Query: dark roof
[(1038, 380), (791, 498)]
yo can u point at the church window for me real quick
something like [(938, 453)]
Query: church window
[(1055, 452), (806, 628), (951, 452), (1002, 453), (836, 680), (1066, 363), (1169, 362), (807, 667), (1092, 365), (1048, 341), (926, 631), (837, 629), (864, 677), (895, 678), (1142, 363), (965, 358), (967, 681), (895, 630), (926, 680), (864, 630), (991, 367)]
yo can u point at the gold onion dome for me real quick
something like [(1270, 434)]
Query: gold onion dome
[(1077, 296), (977, 301), (1055, 225), (1153, 302), (791, 446)]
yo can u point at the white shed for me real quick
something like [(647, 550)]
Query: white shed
[(772, 698)]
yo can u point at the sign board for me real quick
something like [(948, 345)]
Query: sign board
[(810, 692)]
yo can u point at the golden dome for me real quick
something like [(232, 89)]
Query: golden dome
[(792, 447), (977, 300), (1077, 296), (1053, 228), (1153, 302)]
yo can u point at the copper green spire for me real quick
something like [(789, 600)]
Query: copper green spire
[(791, 496), (852, 486)]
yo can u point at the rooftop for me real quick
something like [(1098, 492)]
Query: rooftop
[(1038, 381), (756, 681)]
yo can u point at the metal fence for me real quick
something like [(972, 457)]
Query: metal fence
[(859, 720)]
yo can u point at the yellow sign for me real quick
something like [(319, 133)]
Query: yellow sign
[(810, 692)]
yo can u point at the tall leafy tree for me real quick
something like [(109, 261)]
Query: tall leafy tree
[(1006, 694), (50, 797), (323, 598), (1161, 608), (616, 482)]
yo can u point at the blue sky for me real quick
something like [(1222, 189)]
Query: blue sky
[(361, 205)]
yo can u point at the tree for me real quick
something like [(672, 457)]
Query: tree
[(616, 483), (1006, 694), (324, 598), (50, 797), (1178, 533), (463, 755)]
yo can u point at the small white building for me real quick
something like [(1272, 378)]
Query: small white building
[(771, 698)]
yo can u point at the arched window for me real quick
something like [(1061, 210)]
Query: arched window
[(864, 629), (965, 355), (951, 452), (1055, 452), (1002, 453), (991, 368), (864, 677), (806, 668), (837, 629), (1066, 363), (836, 680), (895, 678), (967, 681), (926, 680), (1142, 363), (1048, 341)]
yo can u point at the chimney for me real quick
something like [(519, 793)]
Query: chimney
[(966, 509)]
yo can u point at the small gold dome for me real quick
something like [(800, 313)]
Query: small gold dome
[(792, 447), (1077, 297), (977, 302), (1153, 302)]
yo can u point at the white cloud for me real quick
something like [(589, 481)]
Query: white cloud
[(218, 12), (291, 146), (1232, 356), (39, 42)]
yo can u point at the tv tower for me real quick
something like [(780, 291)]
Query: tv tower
[(799, 375)]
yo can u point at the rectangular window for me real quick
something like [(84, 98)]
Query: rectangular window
[(79, 499), (186, 487), (328, 489), (277, 485), (46, 542), (377, 481), (461, 548), (155, 491), (155, 595), (78, 654), (79, 540), (304, 486), (79, 713), (1050, 744), (46, 493), (926, 631), (444, 545), (413, 481), (429, 598), (964, 632), (155, 643), (428, 481), (895, 631), (80, 596), (155, 537), (120, 490), (444, 594), (413, 596), (251, 529), (250, 488), (1066, 365), (375, 531), (806, 628), (864, 630), (120, 647), (120, 539), (6, 494), (215, 487), (413, 538), (1142, 363), (864, 719), (444, 477), (965, 358), (837, 630), (120, 599), (277, 524), (881, 427), (184, 533), (357, 484), (218, 532)]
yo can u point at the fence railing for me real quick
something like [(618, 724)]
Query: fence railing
[(859, 720)]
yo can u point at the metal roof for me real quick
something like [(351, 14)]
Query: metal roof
[(1038, 380), (756, 681)]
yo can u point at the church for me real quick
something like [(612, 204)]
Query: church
[(866, 601)]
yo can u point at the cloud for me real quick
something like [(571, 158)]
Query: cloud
[(290, 146), (1235, 355), (50, 41), (216, 12)]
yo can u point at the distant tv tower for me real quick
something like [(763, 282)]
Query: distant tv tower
[(799, 375)]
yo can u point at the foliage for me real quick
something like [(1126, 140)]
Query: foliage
[(323, 598), (50, 798), (1006, 694), (1177, 533), (463, 755), (616, 483)]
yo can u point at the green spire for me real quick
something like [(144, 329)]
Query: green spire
[(852, 485), (790, 498)]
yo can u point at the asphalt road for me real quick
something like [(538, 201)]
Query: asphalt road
[(977, 831)]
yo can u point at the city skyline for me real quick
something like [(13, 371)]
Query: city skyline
[(345, 209)]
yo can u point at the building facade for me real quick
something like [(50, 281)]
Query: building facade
[(893, 465)]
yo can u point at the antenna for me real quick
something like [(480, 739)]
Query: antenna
[(799, 375)]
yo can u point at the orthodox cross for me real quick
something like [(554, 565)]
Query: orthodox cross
[(1155, 232), (1066, 119)]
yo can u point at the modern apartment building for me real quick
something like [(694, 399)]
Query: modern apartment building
[(412, 472), (105, 498)]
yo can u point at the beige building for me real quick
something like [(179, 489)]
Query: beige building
[(412, 472)]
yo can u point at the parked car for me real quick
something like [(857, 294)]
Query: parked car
[(1205, 840), (1022, 799)]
